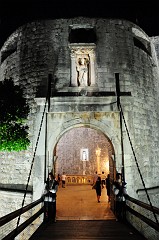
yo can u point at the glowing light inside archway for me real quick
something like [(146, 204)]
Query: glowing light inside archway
[(70, 155)]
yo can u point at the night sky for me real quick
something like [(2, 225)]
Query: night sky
[(15, 13)]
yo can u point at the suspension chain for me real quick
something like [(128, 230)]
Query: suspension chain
[(120, 108), (37, 141)]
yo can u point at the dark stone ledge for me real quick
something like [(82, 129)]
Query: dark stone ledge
[(20, 188), (89, 94), (154, 189)]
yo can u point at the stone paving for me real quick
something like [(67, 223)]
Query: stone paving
[(79, 202)]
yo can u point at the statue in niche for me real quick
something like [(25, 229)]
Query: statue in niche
[(83, 71), (84, 154)]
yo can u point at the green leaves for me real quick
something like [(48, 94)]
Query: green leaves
[(14, 110), (13, 137)]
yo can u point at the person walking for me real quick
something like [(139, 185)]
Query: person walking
[(103, 177), (58, 179), (63, 178), (94, 180), (98, 188), (108, 186)]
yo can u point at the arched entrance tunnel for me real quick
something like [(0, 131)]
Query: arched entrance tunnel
[(80, 152)]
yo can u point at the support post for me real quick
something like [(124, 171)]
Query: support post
[(46, 125), (121, 128)]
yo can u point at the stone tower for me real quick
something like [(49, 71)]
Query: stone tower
[(83, 56)]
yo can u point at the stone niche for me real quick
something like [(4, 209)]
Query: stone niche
[(82, 64)]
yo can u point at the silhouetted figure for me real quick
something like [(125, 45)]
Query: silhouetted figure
[(108, 187), (94, 180), (98, 188), (58, 179)]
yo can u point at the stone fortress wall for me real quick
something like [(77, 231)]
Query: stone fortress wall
[(43, 47)]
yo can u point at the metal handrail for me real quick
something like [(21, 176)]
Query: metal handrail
[(7, 218), (15, 232), (142, 204), (21, 227), (139, 215), (13, 215)]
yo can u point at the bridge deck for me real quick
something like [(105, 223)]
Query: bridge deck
[(79, 216), (86, 230)]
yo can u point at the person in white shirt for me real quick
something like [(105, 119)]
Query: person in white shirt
[(63, 178), (103, 177)]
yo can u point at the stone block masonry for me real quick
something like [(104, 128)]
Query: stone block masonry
[(43, 47)]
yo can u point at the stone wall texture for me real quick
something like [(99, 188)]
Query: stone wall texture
[(40, 48), (69, 152)]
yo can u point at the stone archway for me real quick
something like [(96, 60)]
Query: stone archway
[(106, 123), (79, 171), (82, 151)]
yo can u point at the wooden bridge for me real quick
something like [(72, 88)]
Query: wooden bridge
[(86, 230), (79, 216)]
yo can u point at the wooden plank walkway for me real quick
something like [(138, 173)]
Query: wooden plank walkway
[(79, 216), (86, 230)]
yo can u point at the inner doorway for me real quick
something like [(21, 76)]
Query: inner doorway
[(79, 153)]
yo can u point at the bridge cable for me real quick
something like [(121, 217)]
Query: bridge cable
[(37, 141), (120, 108), (121, 125)]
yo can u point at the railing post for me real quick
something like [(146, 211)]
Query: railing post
[(46, 122), (121, 127)]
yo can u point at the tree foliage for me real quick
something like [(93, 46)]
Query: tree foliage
[(14, 110)]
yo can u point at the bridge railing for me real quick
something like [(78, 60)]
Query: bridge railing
[(143, 217), (138, 213), (29, 221)]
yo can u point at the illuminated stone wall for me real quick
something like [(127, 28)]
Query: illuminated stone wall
[(69, 152), (43, 47)]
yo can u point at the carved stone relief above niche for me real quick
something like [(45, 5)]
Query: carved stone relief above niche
[(82, 64)]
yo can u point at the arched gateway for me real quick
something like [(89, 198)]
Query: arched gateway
[(82, 151), (73, 136)]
